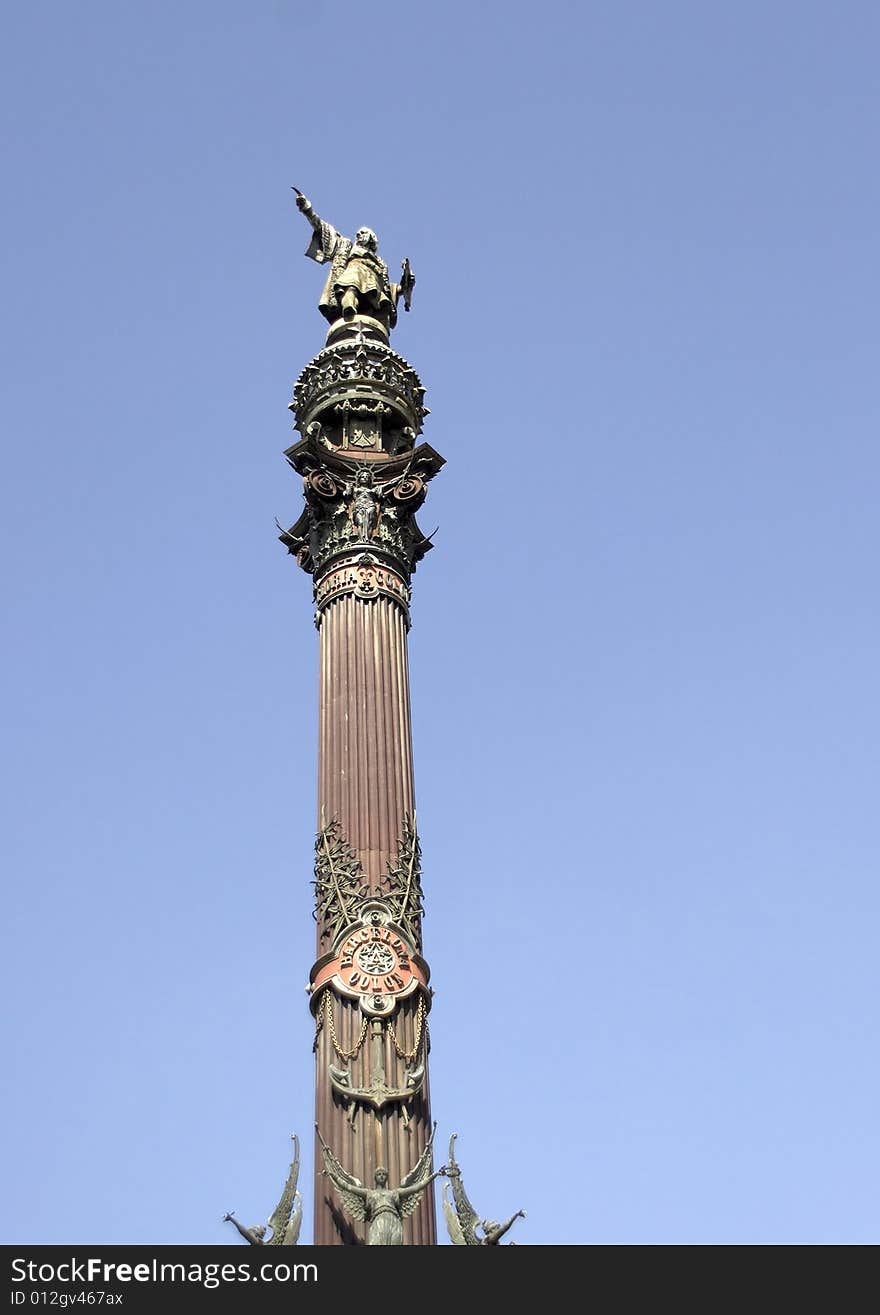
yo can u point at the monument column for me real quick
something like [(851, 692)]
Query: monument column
[(359, 409)]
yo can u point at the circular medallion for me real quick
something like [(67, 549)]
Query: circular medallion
[(372, 963)]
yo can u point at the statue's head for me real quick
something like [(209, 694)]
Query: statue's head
[(259, 1230), (380, 1177), (365, 237), (489, 1226)]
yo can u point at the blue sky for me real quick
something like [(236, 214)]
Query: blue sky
[(644, 653)]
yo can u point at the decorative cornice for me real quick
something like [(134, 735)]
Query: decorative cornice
[(360, 373)]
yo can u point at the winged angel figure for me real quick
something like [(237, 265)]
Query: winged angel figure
[(285, 1220), (462, 1219), (384, 1208)]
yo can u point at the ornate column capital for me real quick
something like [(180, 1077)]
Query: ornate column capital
[(359, 407), (358, 532)]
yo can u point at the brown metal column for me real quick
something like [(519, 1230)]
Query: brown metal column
[(365, 771), (365, 780), (359, 407)]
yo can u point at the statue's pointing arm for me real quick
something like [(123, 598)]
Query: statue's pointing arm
[(304, 205), (324, 238)]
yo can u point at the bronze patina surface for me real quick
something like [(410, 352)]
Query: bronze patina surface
[(359, 408)]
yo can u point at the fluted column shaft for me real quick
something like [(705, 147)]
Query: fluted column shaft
[(365, 768), (365, 781)]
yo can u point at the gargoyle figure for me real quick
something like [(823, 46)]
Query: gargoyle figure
[(384, 1208), (462, 1220), (286, 1218)]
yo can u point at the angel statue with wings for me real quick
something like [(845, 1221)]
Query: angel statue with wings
[(462, 1220), (286, 1218), (384, 1208)]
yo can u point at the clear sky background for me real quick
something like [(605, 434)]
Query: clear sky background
[(644, 653)]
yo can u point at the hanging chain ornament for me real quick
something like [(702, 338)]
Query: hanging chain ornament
[(325, 1012), (409, 1055)]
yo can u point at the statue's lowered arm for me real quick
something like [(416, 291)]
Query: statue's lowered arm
[(407, 283)]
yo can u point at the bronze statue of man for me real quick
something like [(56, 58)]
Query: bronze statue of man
[(358, 282)]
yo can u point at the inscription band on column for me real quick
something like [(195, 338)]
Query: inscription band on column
[(365, 576)]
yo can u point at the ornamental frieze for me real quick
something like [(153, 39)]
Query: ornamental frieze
[(364, 576)]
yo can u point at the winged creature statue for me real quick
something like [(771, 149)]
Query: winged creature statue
[(383, 1208), (462, 1220), (285, 1220)]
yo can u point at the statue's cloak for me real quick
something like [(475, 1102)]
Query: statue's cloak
[(352, 266)]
